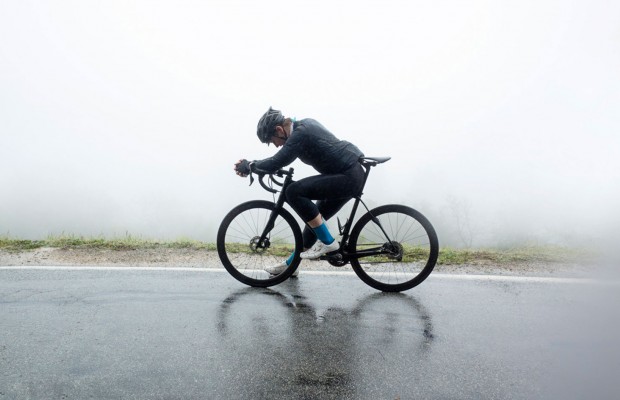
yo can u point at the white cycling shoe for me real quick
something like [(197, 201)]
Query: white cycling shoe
[(319, 249), (279, 268)]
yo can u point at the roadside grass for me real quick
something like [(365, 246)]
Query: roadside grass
[(127, 242), (514, 255), (447, 255)]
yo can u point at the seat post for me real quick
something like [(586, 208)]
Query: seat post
[(367, 168)]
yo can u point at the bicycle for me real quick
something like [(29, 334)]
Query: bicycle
[(391, 247)]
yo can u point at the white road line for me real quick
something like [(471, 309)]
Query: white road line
[(510, 278), (439, 276), (108, 268)]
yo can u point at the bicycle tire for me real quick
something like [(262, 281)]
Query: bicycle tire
[(410, 232), (242, 260)]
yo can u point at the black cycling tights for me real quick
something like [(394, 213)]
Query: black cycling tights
[(332, 192)]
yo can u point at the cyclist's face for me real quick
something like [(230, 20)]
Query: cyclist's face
[(279, 138), (277, 141)]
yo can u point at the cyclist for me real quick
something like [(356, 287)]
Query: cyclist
[(340, 177)]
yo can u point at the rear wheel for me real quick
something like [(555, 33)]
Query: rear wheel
[(409, 251), (240, 251)]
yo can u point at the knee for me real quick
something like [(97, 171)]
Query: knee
[(292, 191)]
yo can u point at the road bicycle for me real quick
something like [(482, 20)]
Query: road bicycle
[(391, 248)]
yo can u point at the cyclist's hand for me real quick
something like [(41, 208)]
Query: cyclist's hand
[(242, 168)]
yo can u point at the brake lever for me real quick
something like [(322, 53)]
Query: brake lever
[(251, 179)]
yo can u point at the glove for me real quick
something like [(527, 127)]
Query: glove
[(243, 167)]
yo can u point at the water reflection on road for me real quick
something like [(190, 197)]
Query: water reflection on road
[(278, 342)]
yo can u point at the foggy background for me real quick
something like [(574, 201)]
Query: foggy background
[(125, 117)]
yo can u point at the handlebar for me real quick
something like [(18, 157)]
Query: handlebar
[(281, 173)]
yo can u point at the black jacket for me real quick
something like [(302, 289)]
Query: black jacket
[(314, 145)]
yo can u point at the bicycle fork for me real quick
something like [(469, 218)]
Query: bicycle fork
[(263, 241)]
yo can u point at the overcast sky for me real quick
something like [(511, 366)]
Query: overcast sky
[(126, 116)]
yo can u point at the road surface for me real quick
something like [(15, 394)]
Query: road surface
[(110, 333)]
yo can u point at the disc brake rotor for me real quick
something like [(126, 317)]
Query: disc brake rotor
[(254, 245), (395, 250)]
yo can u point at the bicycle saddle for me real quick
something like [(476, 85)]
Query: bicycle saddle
[(372, 161)]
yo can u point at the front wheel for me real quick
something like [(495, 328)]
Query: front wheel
[(240, 250), (405, 244)]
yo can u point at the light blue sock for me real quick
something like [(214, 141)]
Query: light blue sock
[(290, 259), (323, 234)]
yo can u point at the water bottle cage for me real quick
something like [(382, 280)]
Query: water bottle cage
[(341, 227)]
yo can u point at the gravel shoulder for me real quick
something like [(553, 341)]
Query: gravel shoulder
[(194, 258)]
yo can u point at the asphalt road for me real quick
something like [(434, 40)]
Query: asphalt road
[(182, 334)]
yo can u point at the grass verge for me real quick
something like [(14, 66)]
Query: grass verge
[(515, 255), (447, 256), (122, 243)]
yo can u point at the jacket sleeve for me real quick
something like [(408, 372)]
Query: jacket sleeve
[(286, 155)]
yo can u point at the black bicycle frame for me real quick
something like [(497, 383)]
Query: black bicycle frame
[(343, 230)]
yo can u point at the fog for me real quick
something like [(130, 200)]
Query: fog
[(125, 117)]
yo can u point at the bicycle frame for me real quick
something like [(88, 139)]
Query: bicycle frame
[(343, 256)]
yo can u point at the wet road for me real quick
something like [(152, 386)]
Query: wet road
[(136, 334)]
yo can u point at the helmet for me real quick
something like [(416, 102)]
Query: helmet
[(267, 124)]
